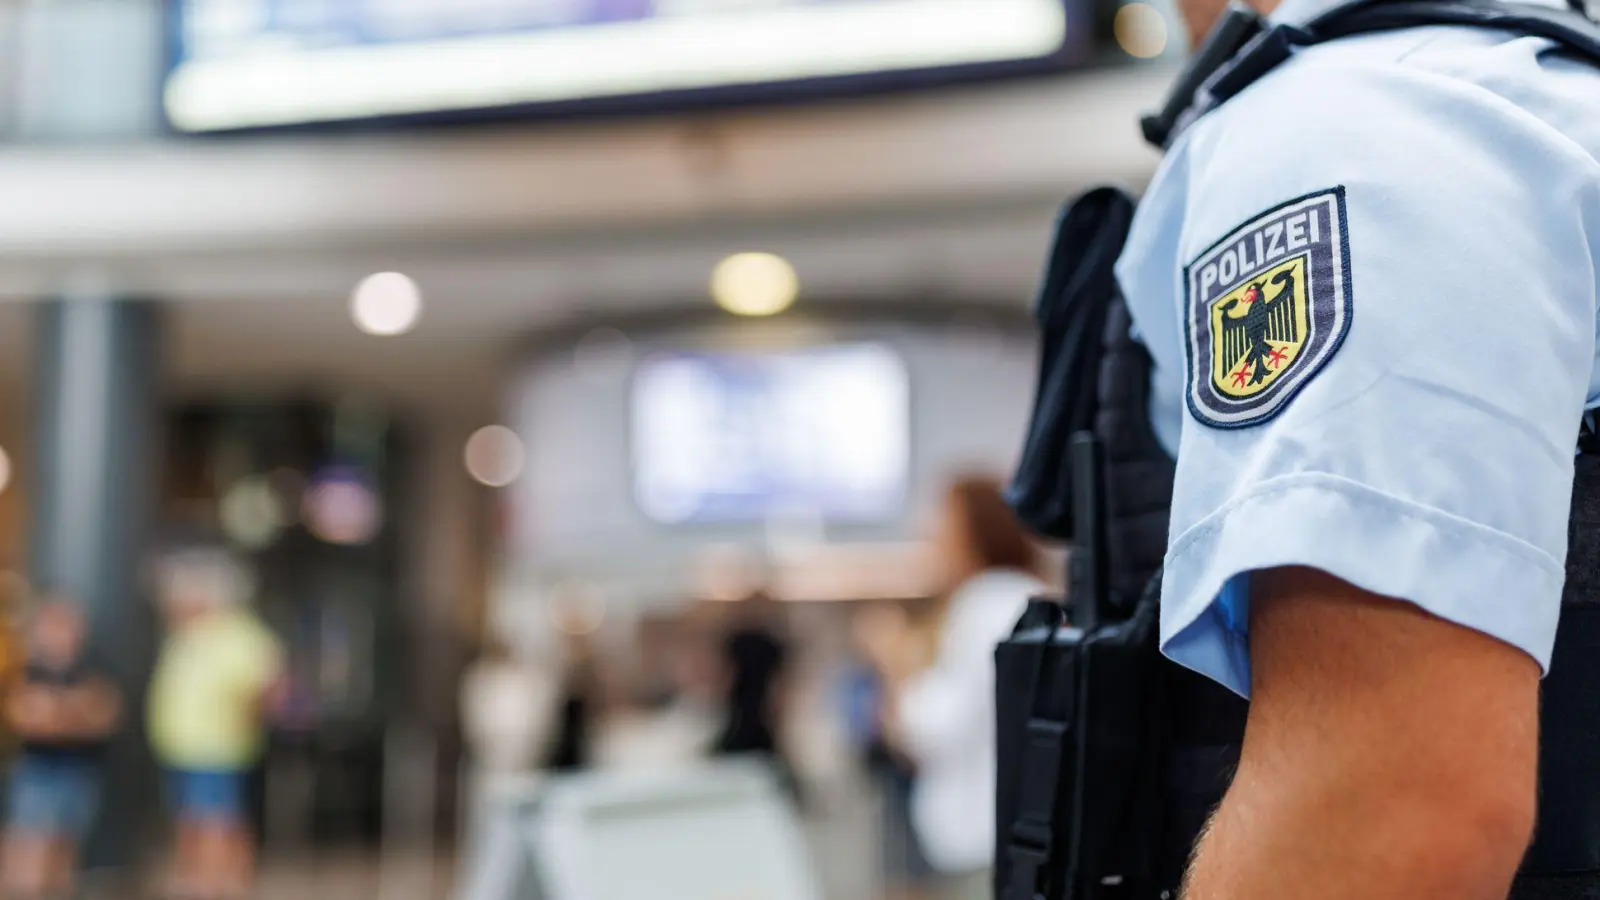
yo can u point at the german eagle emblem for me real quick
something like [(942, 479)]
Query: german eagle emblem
[(1268, 306), (1257, 334)]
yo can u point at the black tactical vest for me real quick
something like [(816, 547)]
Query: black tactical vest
[(1096, 802)]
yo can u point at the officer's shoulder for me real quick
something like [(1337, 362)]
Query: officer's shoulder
[(1381, 86)]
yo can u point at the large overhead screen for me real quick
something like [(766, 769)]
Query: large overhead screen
[(241, 64), (823, 432)]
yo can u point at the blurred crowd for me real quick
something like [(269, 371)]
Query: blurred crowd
[(903, 687), (895, 694), (215, 682)]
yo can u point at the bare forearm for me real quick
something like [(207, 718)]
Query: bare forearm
[(1354, 842), (1389, 755)]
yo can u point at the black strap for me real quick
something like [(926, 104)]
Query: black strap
[(1569, 27), (1244, 45), (1054, 693), (1237, 25), (1589, 440), (1072, 307)]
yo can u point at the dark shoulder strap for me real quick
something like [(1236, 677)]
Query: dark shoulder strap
[(1568, 27), (1080, 287), (1244, 45)]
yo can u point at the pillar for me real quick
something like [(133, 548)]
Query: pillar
[(95, 418)]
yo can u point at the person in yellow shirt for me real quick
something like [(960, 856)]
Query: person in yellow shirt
[(219, 670)]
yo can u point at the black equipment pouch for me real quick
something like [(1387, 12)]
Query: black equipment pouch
[(1057, 683), (1071, 312), (1110, 756), (1074, 824)]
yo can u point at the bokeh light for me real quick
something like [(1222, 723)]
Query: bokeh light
[(494, 456), (340, 507), (386, 304), (755, 284), (253, 512), (1141, 30)]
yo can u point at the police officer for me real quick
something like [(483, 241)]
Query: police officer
[(1368, 283)]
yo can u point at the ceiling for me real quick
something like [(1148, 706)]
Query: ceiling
[(253, 246)]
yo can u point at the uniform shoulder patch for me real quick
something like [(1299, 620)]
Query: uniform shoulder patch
[(1266, 308)]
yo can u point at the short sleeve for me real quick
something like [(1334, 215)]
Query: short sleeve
[(1400, 407)]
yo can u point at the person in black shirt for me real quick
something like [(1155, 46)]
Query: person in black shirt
[(756, 663), (63, 710), (754, 658), (572, 749)]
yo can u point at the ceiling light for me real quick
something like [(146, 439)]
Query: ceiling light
[(754, 284), (386, 304)]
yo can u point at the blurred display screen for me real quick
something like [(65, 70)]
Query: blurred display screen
[(261, 63), (815, 433)]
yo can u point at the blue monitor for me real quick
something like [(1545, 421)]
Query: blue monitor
[(820, 433)]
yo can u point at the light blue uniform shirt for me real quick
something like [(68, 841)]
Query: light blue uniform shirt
[(1369, 286)]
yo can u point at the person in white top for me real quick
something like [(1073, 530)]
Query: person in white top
[(941, 714), (508, 707)]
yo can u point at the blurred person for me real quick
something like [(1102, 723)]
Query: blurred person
[(63, 710), (652, 682), (939, 712), (219, 671), (755, 662), (508, 719), (507, 710), (675, 713), (903, 866), (580, 706)]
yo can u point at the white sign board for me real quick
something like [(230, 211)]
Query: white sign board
[(724, 832)]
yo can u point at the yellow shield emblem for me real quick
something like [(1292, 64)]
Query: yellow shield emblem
[(1258, 330), (1267, 306)]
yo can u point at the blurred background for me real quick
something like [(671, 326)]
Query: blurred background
[(578, 387)]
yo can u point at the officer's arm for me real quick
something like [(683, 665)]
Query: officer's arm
[(1389, 754)]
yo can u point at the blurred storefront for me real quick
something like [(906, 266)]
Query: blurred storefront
[(308, 491)]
